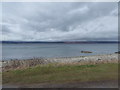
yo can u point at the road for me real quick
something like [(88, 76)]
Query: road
[(95, 84)]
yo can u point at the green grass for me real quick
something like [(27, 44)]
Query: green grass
[(62, 73)]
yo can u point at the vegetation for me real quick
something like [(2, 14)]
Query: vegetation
[(54, 73)]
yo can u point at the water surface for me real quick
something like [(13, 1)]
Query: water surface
[(25, 51)]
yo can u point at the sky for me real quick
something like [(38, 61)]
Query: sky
[(59, 21)]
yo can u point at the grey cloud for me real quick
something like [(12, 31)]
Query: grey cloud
[(60, 21)]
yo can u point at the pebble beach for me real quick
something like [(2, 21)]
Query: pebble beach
[(94, 59)]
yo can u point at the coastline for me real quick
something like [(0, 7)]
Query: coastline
[(82, 60)]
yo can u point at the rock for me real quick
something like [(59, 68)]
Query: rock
[(86, 52), (118, 52), (99, 59), (19, 64)]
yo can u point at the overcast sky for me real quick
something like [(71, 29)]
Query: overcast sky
[(59, 21)]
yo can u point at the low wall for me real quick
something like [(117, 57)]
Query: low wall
[(17, 64)]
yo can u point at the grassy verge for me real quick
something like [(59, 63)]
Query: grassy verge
[(62, 73)]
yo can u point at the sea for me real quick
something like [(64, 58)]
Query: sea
[(44, 50)]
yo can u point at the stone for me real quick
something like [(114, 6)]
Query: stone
[(118, 52), (86, 52)]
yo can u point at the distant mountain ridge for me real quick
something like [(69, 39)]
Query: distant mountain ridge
[(59, 41)]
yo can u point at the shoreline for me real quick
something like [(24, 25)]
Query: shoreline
[(54, 57), (82, 60)]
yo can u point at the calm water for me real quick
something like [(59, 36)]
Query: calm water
[(24, 51)]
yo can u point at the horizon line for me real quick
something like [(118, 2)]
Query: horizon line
[(60, 41)]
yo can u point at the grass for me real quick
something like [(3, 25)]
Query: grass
[(52, 73)]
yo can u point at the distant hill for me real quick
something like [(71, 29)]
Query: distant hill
[(67, 42)]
